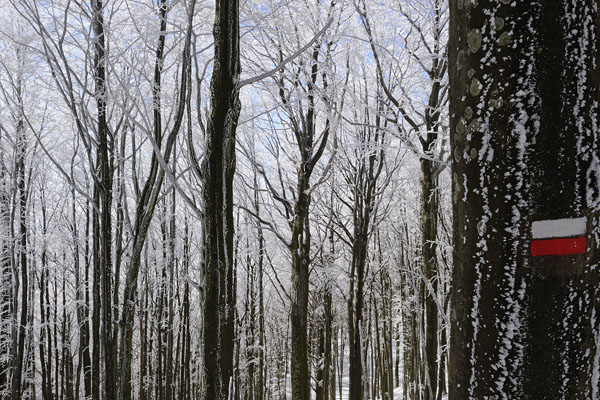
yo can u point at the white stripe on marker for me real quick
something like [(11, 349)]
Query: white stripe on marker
[(553, 228)]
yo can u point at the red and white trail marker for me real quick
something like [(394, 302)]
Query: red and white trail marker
[(559, 237)]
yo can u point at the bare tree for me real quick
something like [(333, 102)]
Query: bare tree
[(218, 171), (361, 166), (422, 123), (151, 190)]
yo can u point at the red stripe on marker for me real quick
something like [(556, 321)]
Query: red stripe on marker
[(558, 247)]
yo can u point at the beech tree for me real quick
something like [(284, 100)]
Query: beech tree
[(420, 124), (218, 172), (286, 231), (361, 165), (525, 172)]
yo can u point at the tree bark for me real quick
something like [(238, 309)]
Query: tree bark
[(300, 248), (6, 280), (429, 213), (21, 242), (81, 298), (524, 89), (219, 168), (103, 186), (45, 333)]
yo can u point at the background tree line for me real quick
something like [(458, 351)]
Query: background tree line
[(220, 199)]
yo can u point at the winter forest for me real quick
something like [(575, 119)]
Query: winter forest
[(299, 199)]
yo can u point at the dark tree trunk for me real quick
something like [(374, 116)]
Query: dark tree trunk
[(323, 346), (429, 217), (21, 243), (524, 90), (219, 169), (171, 366), (81, 297), (103, 187), (185, 378), (93, 237), (367, 169), (143, 318), (45, 333), (354, 329), (300, 248), (327, 353), (426, 124), (311, 146), (151, 191)]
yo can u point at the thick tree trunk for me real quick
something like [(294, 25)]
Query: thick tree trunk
[(524, 90), (94, 238), (429, 213), (21, 245), (355, 343), (103, 186), (219, 169), (300, 248), (322, 374)]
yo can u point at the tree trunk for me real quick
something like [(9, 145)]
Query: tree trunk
[(151, 191), (429, 212), (442, 368), (45, 333), (300, 249), (85, 362), (523, 106), (171, 366), (260, 387), (21, 243), (327, 355), (324, 349), (96, 323), (219, 169), (354, 334), (103, 186), (6, 280)]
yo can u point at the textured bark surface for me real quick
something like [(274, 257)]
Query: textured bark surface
[(103, 188), (219, 169), (524, 89), (300, 249), (21, 246), (429, 223)]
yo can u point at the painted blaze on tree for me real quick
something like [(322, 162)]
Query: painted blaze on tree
[(524, 100)]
